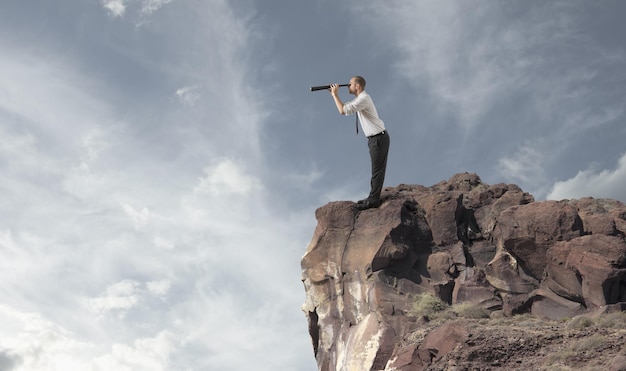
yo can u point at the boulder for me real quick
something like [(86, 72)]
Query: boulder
[(462, 241), (527, 231), (601, 216), (472, 287)]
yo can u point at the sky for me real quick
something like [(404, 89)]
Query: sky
[(162, 160)]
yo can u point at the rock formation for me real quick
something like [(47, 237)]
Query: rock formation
[(462, 241)]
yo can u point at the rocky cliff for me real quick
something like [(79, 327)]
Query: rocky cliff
[(463, 244)]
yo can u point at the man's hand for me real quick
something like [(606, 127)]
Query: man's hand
[(334, 89)]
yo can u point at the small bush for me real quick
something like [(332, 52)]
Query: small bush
[(615, 320), (427, 305), (468, 310), (580, 322), (554, 361), (522, 320), (589, 343)]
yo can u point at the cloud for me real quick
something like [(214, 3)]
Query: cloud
[(41, 345), (605, 183), (38, 343), (150, 6), (9, 360), (226, 177), (94, 143), (159, 288), (120, 296), (188, 95), (140, 218), (145, 354), (467, 55), (115, 7), (527, 164), (126, 210), (474, 58)]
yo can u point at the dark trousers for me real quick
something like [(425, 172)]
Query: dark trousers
[(379, 148)]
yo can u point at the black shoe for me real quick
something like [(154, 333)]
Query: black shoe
[(368, 204), (361, 201)]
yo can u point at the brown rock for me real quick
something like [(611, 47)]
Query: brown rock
[(618, 364), (338, 269), (589, 269), (601, 263), (366, 346), (561, 278), (440, 342), (402, 359), (472, 287), (488, 204), (462, 241), (506, 274), (443, 208), (547, 304), (527, 231), (601, 216)]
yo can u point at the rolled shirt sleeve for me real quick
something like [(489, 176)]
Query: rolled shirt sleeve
[(363, 105)]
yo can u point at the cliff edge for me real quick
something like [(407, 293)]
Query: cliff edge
[(379, 281)]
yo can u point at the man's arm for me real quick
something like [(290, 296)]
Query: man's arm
[(334, 91)]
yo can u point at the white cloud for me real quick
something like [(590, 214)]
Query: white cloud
[(305, 180), (31, 342), (121, 296), (145, 354), (526, 163), (467, 63), (470, 57), (159, 288), (34, 343), (150, 6), (117, 229), (94, 143), (115, 7), (163, 243), (226, 177), (188, 95), (140, 218), (605, 183), (22, 148)]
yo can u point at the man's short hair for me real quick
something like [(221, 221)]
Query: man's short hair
[(360, 80)]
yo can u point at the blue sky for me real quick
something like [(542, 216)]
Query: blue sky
[(162, 160)]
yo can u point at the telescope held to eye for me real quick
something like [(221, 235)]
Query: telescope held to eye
[(324, 87)]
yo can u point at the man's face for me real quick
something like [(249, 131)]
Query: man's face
[(352, 87)]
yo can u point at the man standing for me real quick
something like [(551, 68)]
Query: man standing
[(373, 128)]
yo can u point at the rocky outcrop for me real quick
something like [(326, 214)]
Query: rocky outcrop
[(463, 241)]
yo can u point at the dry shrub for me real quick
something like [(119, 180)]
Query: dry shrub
[(615, 320), (468, 310), (589, 343), (580, 322), (428, 305)]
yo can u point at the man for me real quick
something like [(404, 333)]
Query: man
[(373, 128)]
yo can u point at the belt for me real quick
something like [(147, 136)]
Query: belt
[(375, 135)]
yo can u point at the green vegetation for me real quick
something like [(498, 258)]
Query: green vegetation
[(583, 338), (467, 310), (588, 344), (433, 308), (427, 305), (610, 320)]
